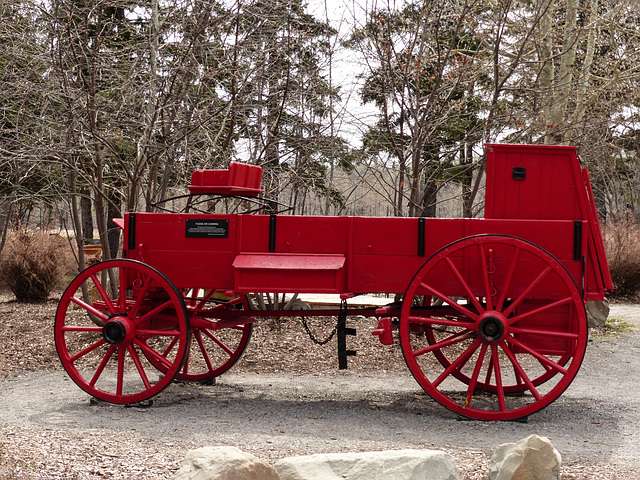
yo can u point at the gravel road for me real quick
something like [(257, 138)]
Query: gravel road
[(50, 430)]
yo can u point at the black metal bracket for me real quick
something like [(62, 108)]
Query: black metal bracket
[(577, 241), (342, 332), (131, 232), (273, 218), (421, 236)]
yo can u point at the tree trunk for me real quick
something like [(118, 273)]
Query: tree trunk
[(564, 86), (586, 66), (114, 211), (547, 71), (430, 195), (466, 160), (86, 209)]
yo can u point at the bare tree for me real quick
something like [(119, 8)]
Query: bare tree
[(420, 74)]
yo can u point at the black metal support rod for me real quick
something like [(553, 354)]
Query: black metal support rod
[(341, 333)]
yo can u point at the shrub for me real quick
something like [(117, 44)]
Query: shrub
[(622, 244), (33, 263)]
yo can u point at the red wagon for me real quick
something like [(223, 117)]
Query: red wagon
[(491, 319)]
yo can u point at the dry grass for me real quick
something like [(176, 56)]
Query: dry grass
[(33, 263), (622, 244)]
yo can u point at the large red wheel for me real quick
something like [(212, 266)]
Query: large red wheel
[(216, 345), (114, 324), (512, 321)]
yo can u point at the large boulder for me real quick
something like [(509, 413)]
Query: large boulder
[(391, 464), (532, 458), (223, 463)]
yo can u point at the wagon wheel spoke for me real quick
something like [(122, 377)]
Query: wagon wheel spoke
[(545, 332), (150, 353), (489, 375), (540, 357), (89, 308), (544, 308), (103, 294), (122, 286), (485, 276), (141, 296), (203, 350), (88, 328), (527, 291), (210, 355), (217, 346), (87, 350), (508, 278), (495, 362), (120, 374), (103, 364), (158, 333), (439, 321), (463, 283), (139, 367), (172, 344), (447, 342), (522, 375), (153, 313), (476, 373), (219, 342), (448, 300), (459, 363)]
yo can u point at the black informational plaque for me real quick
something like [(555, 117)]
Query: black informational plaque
[(207, 228)]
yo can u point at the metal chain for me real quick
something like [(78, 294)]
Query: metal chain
[(312, 336), (343, 311)]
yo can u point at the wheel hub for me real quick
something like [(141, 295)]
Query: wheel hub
[(114, 332), (491, 327)]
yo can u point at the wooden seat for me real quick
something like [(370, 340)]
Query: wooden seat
[(240, 179)]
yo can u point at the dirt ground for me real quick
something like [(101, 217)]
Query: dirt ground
[(287, 397)]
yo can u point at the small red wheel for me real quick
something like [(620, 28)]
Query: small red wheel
[(215, 345), (114, 323), (509, 336)]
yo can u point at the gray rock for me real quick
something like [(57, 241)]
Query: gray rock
[(532, 458), (223, 463), (597, 313), (386, 465)]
